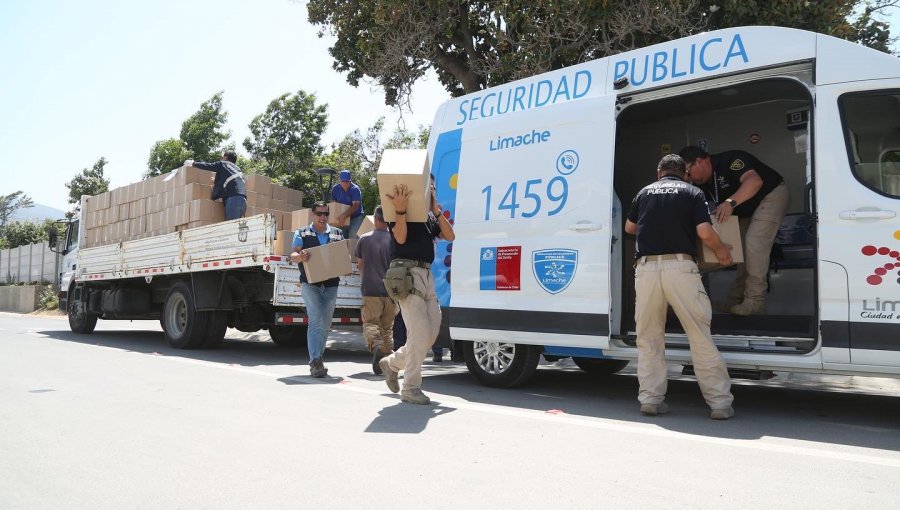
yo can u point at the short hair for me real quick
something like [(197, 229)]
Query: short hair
[(230, 155), (379, 213), (690, 154), (319, 203), (671, 164)]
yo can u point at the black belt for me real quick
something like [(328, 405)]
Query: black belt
[(410, 263)]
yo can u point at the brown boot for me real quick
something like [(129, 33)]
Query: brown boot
[(749, 308)]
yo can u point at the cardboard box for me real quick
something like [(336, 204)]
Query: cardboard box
[(207, 211), (191, 192), (409, 167), (730, 233), (336, 209), (367, 225), (283, 243), (183, 176), (293, 197), (328, 261), (301, 218), (259, 184)]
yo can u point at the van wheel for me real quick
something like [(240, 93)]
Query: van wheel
[(185, 327), (215, 332), (501, 365), (597, 366), (80, 321), (288, 336)]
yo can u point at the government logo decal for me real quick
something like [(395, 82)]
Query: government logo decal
[(737, 165), (554, 269)]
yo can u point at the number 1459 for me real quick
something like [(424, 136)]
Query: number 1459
[(555, 194)]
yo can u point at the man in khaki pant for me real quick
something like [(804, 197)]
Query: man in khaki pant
[(667, 217), (742, 185), (413, 248), (373, 254)]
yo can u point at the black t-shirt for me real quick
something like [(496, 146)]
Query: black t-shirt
[(667, 213), (728, 167), (419, 243)]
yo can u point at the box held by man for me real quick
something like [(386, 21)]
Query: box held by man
[(730, 233), (409, 167), (328, 261)]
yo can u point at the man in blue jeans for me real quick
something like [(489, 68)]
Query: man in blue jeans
[(228, 185), (319, 297), (347, 193)]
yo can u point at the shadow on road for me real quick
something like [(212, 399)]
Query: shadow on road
[(403, 418)]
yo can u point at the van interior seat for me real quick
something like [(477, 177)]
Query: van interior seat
[(794, 245)]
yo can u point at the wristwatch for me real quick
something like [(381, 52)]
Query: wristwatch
[(731, 202)]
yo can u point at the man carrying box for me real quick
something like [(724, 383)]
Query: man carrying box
[(319, 297), (229, 183), (347, 193), (373, 253)]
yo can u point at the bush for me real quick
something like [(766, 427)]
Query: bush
[(48, 299)]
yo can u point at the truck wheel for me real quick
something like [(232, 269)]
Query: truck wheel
[(288, 336), (501, 365), (80, 321), (185, 327), (596, 366), (215, 332)]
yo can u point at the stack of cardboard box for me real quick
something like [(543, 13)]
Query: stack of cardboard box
[(174, 202)]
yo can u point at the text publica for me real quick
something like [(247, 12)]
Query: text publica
[(511, 142), (565, 87), (706, 56)]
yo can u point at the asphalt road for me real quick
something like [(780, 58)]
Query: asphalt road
[(117, 419)]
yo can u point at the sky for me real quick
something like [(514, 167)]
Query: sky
[(81, 80)]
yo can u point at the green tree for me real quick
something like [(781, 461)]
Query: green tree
[(11, 203), (477, 44), (203, 132), (285, 140), (22, 233), (166, 155), (89, 182)]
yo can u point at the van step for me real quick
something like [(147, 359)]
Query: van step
[(737, 373)]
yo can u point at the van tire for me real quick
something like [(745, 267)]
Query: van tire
[(597, 366), (80, 320), (289, 336), (185, 327), (501, 365)]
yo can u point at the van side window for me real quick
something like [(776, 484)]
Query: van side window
[(872, 130)]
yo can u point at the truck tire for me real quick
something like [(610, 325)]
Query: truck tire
[(288, 336), (185, 327), (80, 321), (501, 365), (597, 366), (215, 332)]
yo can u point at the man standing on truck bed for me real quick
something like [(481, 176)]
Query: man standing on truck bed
[(373, 255), (319, 297), (413, 251), (740, 184), (228, 185), (667, 217), (347, 193)]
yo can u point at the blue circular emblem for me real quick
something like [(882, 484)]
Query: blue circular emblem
[(567, 162)]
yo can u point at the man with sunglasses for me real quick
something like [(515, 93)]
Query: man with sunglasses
[(319, 297)]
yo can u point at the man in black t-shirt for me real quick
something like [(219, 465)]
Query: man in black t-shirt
[(738, 183), (413, 248), (667, 217)]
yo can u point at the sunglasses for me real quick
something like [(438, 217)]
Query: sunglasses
[(321, 213)]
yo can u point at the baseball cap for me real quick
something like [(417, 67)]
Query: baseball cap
[(345, 175)]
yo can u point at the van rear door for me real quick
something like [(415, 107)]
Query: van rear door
[(530, 263)]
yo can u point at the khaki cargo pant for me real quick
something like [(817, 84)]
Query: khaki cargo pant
[(378, 323), (676, 283), (423, 323), (758, 233)]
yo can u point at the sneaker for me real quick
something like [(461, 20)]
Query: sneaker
[(376, 357), (722, 414), (317, 368), (654, 409), (414, 396), (748, 308), (390, 375)]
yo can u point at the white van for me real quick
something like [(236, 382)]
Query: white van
[(537, 173)]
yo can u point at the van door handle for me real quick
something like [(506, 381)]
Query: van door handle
[(585, 227), (867, 214)]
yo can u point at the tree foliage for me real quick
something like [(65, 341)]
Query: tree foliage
[(11, 203), (201, 138), (166, 155), (285, 140), (89, 182), (23, 233), (472, 45)]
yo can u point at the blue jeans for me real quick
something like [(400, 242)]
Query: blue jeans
[(235, 207), (353, 228), (319, 308)]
